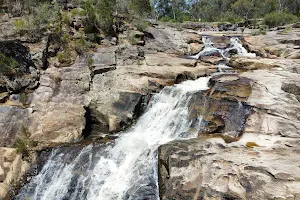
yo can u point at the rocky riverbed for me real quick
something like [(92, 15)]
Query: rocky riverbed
[(248, 144)]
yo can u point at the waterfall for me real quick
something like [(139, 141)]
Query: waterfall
[(209, 49), (235, 43), (222, 68), (125, 168)]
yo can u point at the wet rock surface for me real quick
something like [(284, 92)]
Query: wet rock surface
[(219, 115), (230, 86), (222, 108)]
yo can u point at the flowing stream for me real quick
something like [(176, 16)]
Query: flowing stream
[(126, 168)]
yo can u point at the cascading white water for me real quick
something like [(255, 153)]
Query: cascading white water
[(125, 169), (209, 49), (235, 43), (222, 68)]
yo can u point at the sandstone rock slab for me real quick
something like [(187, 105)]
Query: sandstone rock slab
[(12, 119), (212, 169)]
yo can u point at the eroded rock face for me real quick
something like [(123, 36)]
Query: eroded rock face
[(12, 167), (118, 94), (292, 88), (59, 104), (275, 44), (12, 119), (211, 169), (252, 63), (119, 114), (230, 86), (276, 111), (219, 115), (222, 108), (165, 39)]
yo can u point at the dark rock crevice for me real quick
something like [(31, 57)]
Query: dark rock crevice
[(88, 123), (21, 74)]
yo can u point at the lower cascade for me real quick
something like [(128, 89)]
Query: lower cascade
[(125, 168)]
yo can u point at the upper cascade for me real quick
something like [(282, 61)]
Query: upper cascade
[(236, 46)]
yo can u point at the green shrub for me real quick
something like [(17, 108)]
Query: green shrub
[(132, 39), (230, 17), (21, 146), (19, 24), (99, 14), (66, 57), (279, 19), (8, 65), (286, 30), (165, 19), (24, 98), (81, 45), (44, 13), (140, 24), (78, 11), (90, 62), (25, 132), (66, 18), (185, 18), (259, 32), (140, 7), (23, 143)]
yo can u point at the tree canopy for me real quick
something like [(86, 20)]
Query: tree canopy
[(216, 10)]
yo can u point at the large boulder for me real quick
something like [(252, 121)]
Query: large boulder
[(59, 104), (12, 167), (218, 115), (220, 42), (292, 88), (244, 63), (222, 108), (276, 110), (57, 123), (230, 86), (192, 37), (256, 167), (164, 39), (129, 55), (194, 48)]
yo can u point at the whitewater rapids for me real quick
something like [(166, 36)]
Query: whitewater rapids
[(126, 168)]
